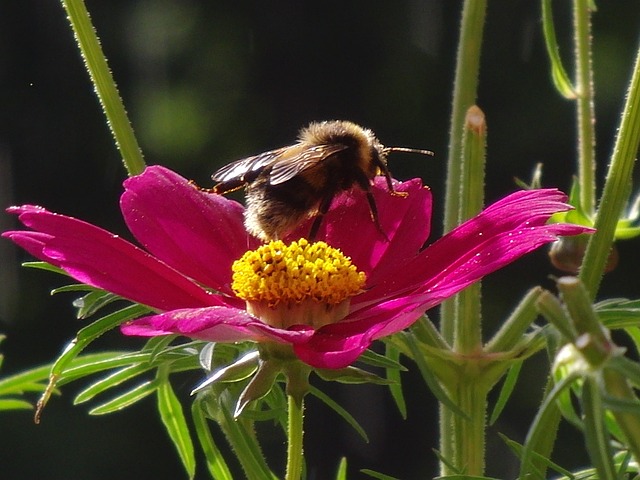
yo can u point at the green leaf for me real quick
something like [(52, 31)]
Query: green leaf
[(214, 458), (464, 477), (378, 475), (341, 474), (565, 403), (558, 73), (75, 287), (340, 411), (86, 365), (174, 421), (44, 266), (241, 369), (111, 381), (157, 345), (126, 399), (627, 233), (517, 449), (259, 385), (446, 462), (89, 333), (506, 390), (539, 424), (83, 338), (596, 435), (623, 461), (350, 375), (14, 404), (243, 440), (277, 409), (31, 380), (395, 385), (376, 360), (429, 378), (92, 302), (627, 368), (621, 405), (634, 334)]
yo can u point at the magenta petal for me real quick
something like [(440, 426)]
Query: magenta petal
[(348, 225), (499, 235), (200, 234), (96, 257), (493, 255), (213, 324), (514, 214), (340, 344)]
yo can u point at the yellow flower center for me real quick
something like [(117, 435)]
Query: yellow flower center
[(303, 282)]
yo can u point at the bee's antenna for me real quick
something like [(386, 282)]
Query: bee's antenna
[(408, 150)]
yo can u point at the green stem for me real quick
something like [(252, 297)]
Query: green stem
[(617, 188), (516, 325), (554, 313), (294, 436), (465, 89), (464, 95), (470, 432), (105, 86), (428, 334), (585, 108), (468, 317)]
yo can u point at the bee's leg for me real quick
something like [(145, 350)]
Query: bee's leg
[(365, 184), (221, 188), (317, 221), (387, 175), (230, 186), (373, 209), (315, 226), (199, 188)]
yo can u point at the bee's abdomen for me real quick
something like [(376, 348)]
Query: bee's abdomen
[(274, 210)]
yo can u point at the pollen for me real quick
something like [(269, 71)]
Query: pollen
[(276, 274)]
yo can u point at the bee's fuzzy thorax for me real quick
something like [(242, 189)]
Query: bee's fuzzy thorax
[(348, 133)]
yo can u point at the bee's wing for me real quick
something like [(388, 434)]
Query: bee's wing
[(292, 162), (240, 168)]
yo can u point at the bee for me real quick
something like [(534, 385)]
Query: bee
[(289, 185)]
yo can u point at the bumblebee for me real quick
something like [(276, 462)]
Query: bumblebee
[(286, 186)]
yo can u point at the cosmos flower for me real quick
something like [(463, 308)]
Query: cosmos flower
[(329, 300)]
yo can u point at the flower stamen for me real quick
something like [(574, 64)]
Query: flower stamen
[(277, 273)]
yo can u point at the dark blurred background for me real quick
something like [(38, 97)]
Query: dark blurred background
[(210, 82)]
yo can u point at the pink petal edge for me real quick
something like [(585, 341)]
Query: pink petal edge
[(96, 257)]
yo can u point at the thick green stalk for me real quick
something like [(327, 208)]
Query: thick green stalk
[(468, 438), (104, 85), (585, 108), (468, 318), (464, 96), (465, 89), (617, 188), (470, 432)]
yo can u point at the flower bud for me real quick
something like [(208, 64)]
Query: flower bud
[(566, 254)]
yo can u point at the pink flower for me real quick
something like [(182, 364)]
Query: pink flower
[(191, 240)]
